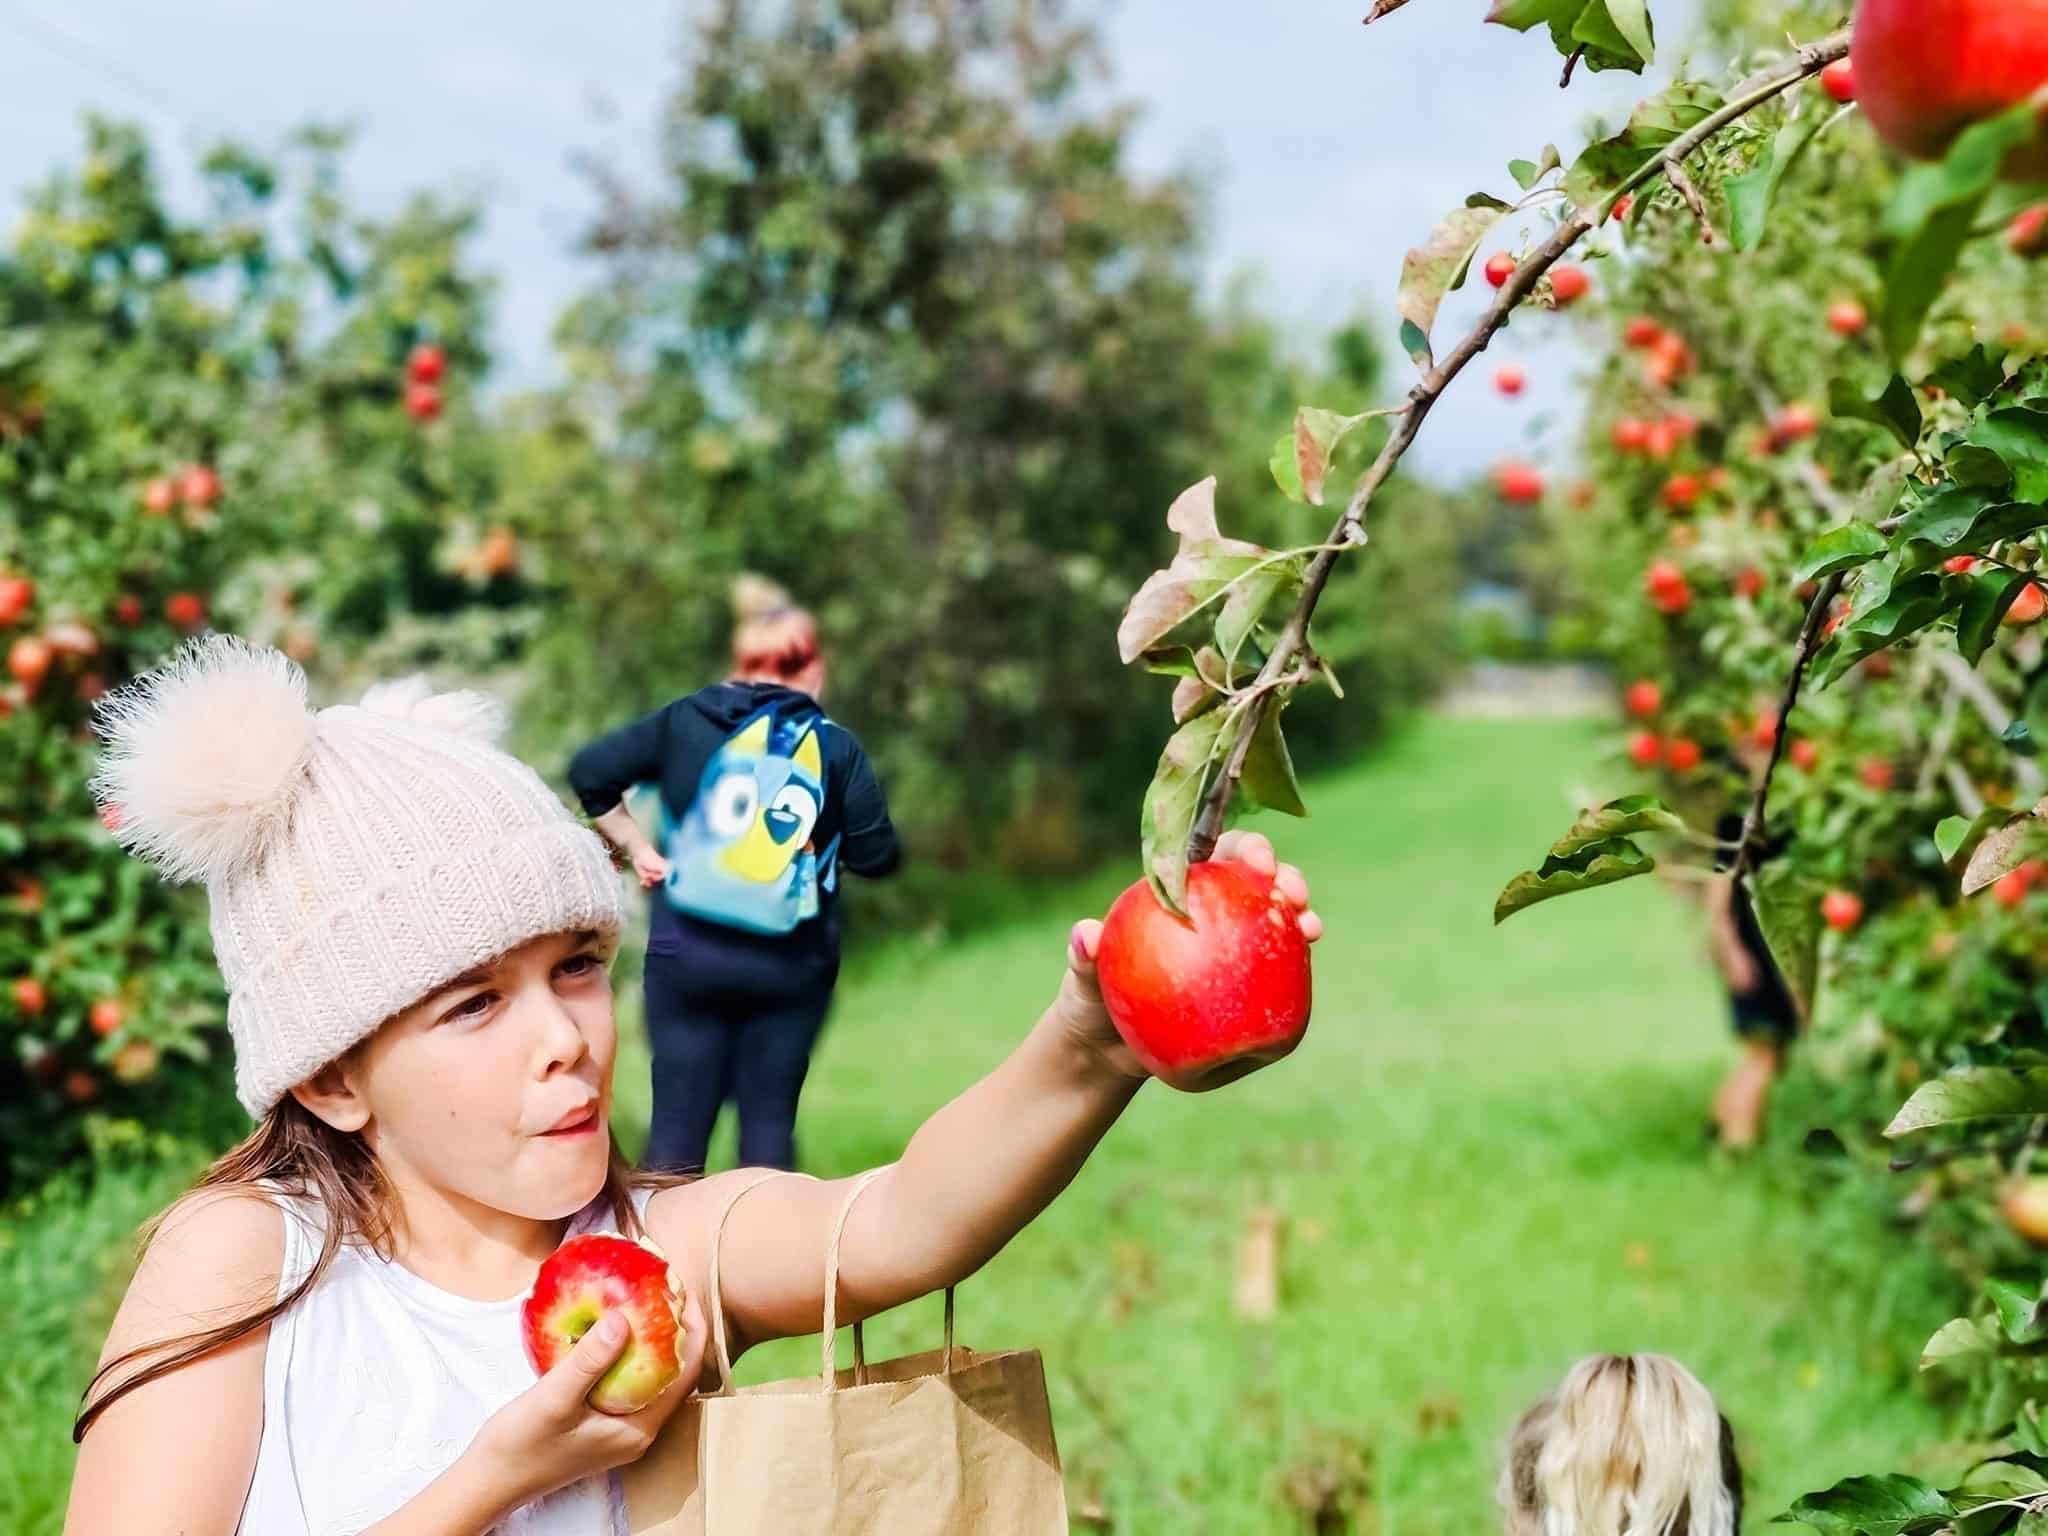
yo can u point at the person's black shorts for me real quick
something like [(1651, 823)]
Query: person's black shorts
[(1765, 1015)]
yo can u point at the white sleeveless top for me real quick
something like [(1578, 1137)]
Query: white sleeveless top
[(377, 1381)]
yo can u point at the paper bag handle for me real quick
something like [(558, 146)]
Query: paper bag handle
[(718, 1339), (830, 1343)]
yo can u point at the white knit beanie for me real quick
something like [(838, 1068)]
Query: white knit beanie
[(355, 859)]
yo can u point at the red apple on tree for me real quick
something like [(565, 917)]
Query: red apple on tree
[(1643, 698), (28, 659), (1681, 493), (1681, 754), (422, 402), (1646, 749), (1839, 81), (1847, 318), (1641, 331), (1631, 434), (30, 996), (107, 1016), (1876, 773), (1749, 582), (199, 487), (1500, 266), (2027, 234), (1841, 910), (1509, 378), (128, 609), (1804, 754), (2027, 606), (160, 496), (579, 1283), (1926, 69), (187, 610), (1203, 1000), (1569, 283), (2024, 1205), (1517, 482), (17, 595), (426, 363), (1959, 565)]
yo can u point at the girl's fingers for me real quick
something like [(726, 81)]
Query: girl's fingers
[(1311, 927), (1083, 944), (1293, 884), (1250, 848)]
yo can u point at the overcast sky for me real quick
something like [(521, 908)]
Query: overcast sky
[(1328, 147)]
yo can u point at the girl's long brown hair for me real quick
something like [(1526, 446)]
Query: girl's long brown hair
[(294, 1152)]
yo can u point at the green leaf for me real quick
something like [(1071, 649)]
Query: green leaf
[(1269, 770), (2019, 1309), (1891, 1505), (1971, 465), (1438, 266), (2018, 435), (1787, 906), (1286, 468), (1840, 549), (1984, 605), (1316, 435), (1955, 836), (1597, 864), (1617, 818), (1172, 802), (1249, 598), (1606, 164), (1973, 1093), (1998, 1482), (1911, 607), (1972, 378), (1961, 1338), (2006, 847), (1415, 342), (1528, 172), (1750, 194), (1895, 409), (1204, 567), (1615, 34), (1931, 218)]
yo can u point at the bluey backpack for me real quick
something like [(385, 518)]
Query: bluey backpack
[(743, 855)]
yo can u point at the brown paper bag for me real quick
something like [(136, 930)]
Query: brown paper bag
[(951, 1442)]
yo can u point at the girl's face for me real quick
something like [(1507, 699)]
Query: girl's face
[(495, 1089)]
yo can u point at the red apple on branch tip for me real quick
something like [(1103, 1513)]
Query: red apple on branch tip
[(1927, 69), (1500, 266), (579, 1283), (1839, 81), (1203, 1001)]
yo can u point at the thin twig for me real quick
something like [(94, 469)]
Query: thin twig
[(1808, 643), (1382, 8), (1571, 63), (1675, 173), (1437, 378)]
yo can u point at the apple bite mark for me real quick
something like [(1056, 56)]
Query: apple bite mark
[(581, 1281)]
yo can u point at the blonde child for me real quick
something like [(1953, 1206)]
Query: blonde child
[(1629, 1445), (323, 1337)]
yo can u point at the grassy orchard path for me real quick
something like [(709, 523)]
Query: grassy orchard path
[(1488, 1152)]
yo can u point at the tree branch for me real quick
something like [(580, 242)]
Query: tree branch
[(1675, 173), (1350, 528), (1382, 8), (1808, 643)]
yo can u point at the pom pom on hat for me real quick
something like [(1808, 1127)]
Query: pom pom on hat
[(474, 715), (206, 757)]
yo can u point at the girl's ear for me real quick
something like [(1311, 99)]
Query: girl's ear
[(332, 1095)]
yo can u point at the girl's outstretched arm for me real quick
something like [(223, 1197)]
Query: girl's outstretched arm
[(971, 1178)]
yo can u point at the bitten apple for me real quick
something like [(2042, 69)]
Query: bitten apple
[(582, 1280), (1202, 1002)]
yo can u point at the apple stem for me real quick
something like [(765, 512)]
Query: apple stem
[(1269, 686)]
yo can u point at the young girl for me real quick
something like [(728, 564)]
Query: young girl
[(765, 803), (324, 1337), (1629, 1445)]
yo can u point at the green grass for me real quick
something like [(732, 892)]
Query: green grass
[(1488, 1154)]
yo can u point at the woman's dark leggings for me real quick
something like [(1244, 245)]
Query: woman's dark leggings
[(707, 1050)]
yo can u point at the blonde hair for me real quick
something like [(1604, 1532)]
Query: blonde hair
[(773, 640), (1629, 1445)]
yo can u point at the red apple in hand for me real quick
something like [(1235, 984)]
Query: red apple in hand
[(1204, 1001), (582, 1280)]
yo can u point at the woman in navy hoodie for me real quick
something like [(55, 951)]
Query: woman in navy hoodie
[(764, 801)]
